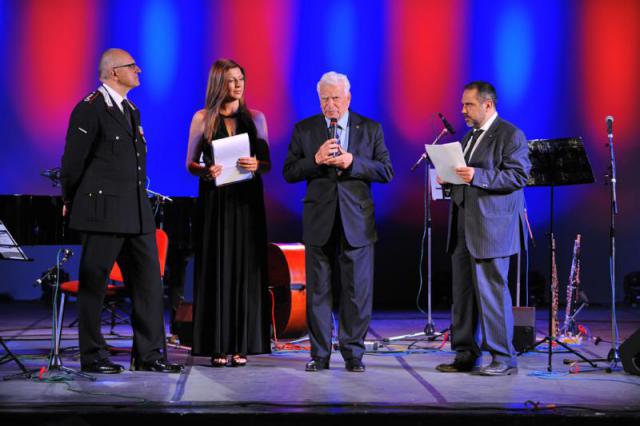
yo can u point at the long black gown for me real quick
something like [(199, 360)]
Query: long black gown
[(231, 304)]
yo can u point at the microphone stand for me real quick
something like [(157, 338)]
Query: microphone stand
[(160, 199), (613, 357), (158, 214), (614, 353), (55, 361), (429, 328)]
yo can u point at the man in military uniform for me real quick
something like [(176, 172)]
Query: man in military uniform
[(103, 187)]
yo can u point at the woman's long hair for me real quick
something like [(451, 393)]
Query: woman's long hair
[(217, 94)]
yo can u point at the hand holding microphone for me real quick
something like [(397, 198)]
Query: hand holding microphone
[(333, 134), (327, 151), (330, 148)]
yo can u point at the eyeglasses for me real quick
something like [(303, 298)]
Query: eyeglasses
[(131, 66)]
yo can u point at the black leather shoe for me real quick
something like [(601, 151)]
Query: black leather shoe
[(354, 365), (456, 367), (317, 365), (102, 366), (497, 368), (159, 366)]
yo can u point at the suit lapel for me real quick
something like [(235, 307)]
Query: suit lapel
[(319, 133), (355, 131), (487, 140), (466, 138)]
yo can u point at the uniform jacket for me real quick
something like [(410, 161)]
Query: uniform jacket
[(104, 169)]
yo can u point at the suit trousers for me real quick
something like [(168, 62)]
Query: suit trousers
[(482, 311), (137, 256), (351, 269)]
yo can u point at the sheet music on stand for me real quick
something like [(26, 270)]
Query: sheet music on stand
[(9, 248), (559, 162)]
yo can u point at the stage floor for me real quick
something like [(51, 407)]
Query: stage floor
[(400, 380)]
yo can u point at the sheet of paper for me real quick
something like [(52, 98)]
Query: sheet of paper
[(446, 158), (436, 189), (227, 151)]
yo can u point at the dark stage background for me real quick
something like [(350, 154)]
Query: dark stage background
[(559, 67)]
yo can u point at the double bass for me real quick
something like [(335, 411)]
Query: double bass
[(287, 282)]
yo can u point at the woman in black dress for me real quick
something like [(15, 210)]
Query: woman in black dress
[(231, 305)]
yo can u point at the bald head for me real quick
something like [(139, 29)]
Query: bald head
[(118, 69), (111, 58)]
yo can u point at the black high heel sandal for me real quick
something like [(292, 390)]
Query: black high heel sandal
[(238, 360), (219, 361)]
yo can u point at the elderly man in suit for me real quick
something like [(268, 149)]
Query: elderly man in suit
[(486, 224), (338, 217), (103, 187)]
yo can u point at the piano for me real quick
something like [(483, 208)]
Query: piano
[(37, 220)]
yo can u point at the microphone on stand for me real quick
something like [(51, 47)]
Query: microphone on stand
[(53, 174), (448, 128), (447, 125), (66, 255), (609, 121)]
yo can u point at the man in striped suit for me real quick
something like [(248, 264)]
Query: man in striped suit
[(486, 223)]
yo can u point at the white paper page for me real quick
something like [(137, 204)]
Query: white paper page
[(436, 189), (446, 158), (226, 152)]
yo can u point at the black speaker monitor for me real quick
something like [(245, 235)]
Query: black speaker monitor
[(630, 354)]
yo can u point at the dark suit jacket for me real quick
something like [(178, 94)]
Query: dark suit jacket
[(104, 169), (326, 189), (494, 202)]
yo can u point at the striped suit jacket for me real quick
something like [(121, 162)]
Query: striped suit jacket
[(494, 201)]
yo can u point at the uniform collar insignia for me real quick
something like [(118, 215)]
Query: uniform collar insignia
[(105, 95)]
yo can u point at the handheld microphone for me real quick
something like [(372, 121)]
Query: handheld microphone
[(333, 128), (447, 125), (609, 121), (333, 132)]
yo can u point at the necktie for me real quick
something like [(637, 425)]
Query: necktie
[(457, 191), (472, 144), (128, 114)]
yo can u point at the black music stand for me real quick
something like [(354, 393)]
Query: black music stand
[(11, 250), (557, 162)]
